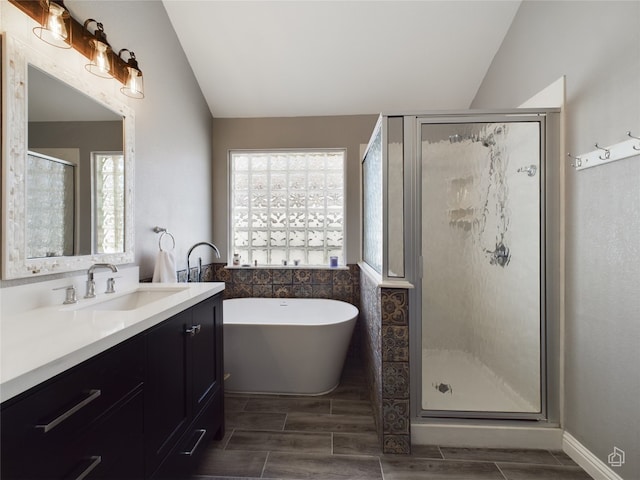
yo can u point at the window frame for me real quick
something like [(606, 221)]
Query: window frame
[(273, 151)]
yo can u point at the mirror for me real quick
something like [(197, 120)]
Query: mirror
[(53, 118), (71, 128)]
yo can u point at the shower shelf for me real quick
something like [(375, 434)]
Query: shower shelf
[(604, 155)]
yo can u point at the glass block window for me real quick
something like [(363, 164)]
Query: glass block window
[(108, 202), (287, 206), (50, 206)]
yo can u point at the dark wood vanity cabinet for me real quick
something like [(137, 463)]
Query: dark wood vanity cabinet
[(183, 393), (142, 409)]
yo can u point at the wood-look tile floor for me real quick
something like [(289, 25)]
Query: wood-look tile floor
[(333, 437)]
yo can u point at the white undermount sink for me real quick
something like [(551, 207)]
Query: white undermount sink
[(133, 300)]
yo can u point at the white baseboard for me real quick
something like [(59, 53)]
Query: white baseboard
[(491, 436), (587, 460)]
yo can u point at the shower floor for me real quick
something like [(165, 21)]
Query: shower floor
[(456, 380)]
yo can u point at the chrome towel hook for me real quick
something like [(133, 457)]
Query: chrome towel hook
[(607, 153), (603, 155), (636, 138), (577, 161)]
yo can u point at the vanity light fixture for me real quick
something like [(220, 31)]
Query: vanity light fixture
[(100, 57), (133, 86), (55, 25)]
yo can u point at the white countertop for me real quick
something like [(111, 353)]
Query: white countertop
[(40, 343)]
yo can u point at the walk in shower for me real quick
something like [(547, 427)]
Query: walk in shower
[(464, 224)]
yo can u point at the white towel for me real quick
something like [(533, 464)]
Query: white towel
[(165, 271)]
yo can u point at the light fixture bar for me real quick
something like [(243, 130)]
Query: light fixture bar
[(84, 41)]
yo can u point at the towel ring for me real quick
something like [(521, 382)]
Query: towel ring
[(162, 236)]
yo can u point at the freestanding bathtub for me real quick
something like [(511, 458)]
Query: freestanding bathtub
[(293, 346)]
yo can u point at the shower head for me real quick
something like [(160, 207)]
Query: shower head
[(486, 142), (489, 141), (457, 138)]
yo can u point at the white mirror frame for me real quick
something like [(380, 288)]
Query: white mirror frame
[(16, 58)]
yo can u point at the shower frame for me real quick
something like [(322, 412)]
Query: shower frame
[(549, 416)]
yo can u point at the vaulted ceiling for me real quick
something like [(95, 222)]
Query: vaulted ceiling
[(302, 58)]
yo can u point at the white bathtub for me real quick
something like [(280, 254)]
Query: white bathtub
[(293, 346)]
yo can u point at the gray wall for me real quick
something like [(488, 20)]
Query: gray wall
[(597, 46), (293, 132), (173, 128)]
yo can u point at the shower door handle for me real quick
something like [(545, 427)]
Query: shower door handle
[(530, 170)]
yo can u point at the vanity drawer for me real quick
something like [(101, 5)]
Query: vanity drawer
[(66, 407), (195, 442), (113, 449)]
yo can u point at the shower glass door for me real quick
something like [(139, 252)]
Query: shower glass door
[(482, 301)]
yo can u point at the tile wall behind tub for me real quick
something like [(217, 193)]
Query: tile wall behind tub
[(339, 284)]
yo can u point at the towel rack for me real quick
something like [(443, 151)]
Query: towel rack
[(602, 155), (163, 231)]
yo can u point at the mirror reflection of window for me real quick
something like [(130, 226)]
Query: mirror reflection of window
[(50, 207), (108, 202)]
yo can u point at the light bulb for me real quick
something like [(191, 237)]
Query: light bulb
[(54, 30)]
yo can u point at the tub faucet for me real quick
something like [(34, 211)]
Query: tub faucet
[(215, 249), (91, 284)]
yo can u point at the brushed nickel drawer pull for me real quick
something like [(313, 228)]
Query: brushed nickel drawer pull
[(95, 461), (193, 330), (202, 433), (93, 394)]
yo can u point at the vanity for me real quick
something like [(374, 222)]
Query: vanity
[(90, 391)]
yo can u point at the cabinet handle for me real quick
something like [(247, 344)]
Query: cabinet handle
[(193, 330), (95, 461), (202, 433), (93, 394)]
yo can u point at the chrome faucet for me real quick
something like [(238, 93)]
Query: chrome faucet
[(91, 284), (215, 249)]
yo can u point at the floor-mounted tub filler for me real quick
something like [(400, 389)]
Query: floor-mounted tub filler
[(291, 346)]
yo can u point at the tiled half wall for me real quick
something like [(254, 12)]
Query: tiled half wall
[(384, 332)]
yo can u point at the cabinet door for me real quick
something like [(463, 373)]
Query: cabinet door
[(205, 344), (167, 403)]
